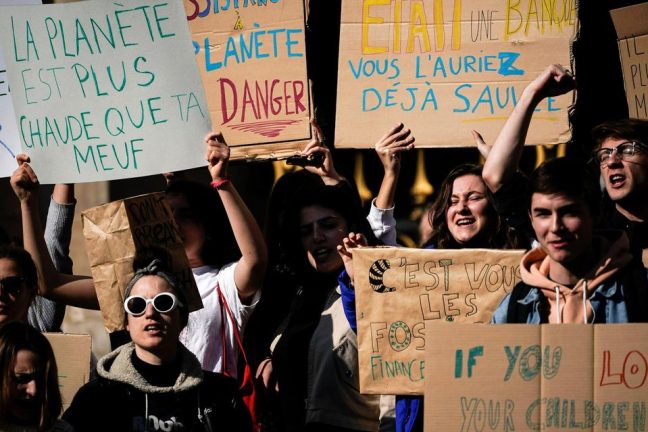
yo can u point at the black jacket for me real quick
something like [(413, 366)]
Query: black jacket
[(121, 399)]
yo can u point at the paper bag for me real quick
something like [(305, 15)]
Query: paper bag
[(114, 232)]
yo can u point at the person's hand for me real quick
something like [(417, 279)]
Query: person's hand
[(350, 242), (555, 80), (265, 374), (218, 154), (483, 148), (316, 146), (389, 147), (24, 180)]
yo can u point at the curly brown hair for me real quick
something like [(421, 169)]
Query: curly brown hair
[(492, 236)]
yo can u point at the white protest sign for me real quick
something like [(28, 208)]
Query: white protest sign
[(9, 145), (105, 90)]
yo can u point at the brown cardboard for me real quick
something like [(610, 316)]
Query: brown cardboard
[(412, 81), (399, 289), (563, 377), (72, 354), (468, 384), (620, 376), (114, 232), (258, 97), (631, 25)]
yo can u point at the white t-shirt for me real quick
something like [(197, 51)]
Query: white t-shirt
[(203, 333)]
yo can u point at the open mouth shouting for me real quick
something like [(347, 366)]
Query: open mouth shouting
[(617, 180)]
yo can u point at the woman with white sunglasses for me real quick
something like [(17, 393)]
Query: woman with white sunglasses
[(154, 382)]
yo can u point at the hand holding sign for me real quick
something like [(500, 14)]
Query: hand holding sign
[(218, 154), (317, 148), (24, 180)]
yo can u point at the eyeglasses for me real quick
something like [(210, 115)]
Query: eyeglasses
[(165, 302), (624, 151), (12, 285)]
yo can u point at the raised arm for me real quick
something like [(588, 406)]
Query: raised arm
[(389, 148), (250, 270), (504, 157), (72, 290), (45, 314), (58, 228)]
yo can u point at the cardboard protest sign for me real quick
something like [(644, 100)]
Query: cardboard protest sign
[(399, 289), (9, 142), (631, 25), (114, 232), (445, 67), (252, 60), (72, 354), (104, 90), (536, 377)]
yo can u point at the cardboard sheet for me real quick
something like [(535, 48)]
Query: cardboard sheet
[(446, 67), (398, 290), (252, 61), (631, 25), (72, 354), (523, 377)]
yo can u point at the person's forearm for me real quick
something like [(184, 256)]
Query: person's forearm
[(63, 193), (249, 238), (34, 243), (387, 192), (58, 234), (72, 290), (504, 157)]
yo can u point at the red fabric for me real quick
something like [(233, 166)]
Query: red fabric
[(247, 389)]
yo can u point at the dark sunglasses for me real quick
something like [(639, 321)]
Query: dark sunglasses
[(25, 378), (165, 302), (12, 285)]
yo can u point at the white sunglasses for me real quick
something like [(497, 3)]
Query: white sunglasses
[(165, 302)]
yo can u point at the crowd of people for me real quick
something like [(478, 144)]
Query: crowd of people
[(280, 306)]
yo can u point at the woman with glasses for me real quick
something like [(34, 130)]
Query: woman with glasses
[(18, 283), (204, 215), (154, 382), (30, 400)]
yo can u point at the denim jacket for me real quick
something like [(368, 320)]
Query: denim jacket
[(608, 305)]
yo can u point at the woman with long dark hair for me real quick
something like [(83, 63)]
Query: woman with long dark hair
[(30, 399), (314, 354)]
